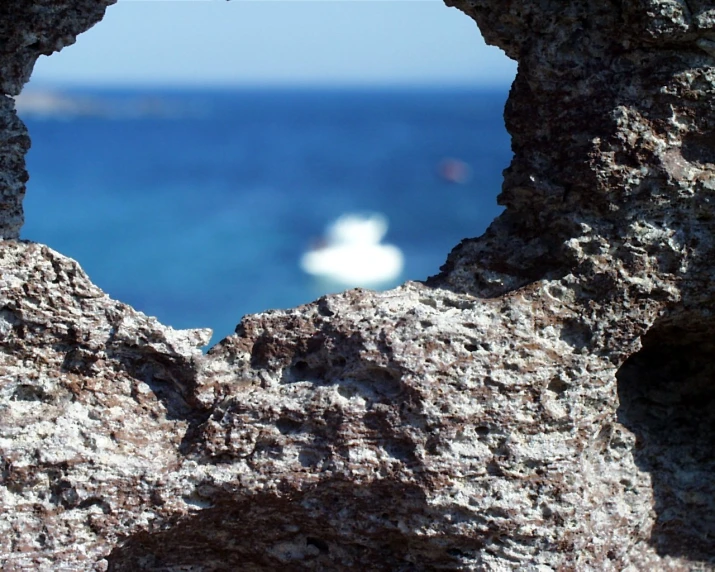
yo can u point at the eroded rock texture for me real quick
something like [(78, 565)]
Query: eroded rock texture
[(545, 403)]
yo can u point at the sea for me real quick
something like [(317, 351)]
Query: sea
[(196, 205)]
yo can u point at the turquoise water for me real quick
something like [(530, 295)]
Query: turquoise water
[(195, 206)]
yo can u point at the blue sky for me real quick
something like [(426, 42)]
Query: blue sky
[(279, 42)]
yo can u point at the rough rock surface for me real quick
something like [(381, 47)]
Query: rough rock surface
[(545, 403)]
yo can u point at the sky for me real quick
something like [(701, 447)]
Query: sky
[(279, 42)]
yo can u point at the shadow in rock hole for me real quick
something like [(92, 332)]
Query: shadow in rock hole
[(336, 526), (172, 380), (667, 396)]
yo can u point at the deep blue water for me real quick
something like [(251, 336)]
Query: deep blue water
[(195, 206)]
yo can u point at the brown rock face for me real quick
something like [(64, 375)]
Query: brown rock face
[(545, 403)]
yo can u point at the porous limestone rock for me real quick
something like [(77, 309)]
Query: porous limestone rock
[(545, 403)]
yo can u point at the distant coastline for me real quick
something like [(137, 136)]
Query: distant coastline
[(53, 101), (67, 104)]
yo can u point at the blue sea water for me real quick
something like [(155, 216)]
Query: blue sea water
[(195, 206)]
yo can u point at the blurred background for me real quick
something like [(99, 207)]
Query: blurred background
[(207, 159)]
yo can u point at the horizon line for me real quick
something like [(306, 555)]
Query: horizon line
[(47, 84)]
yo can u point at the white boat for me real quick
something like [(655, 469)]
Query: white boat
[(352, 255)]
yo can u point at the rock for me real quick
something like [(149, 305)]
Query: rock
[(545, 403), (14, 143)]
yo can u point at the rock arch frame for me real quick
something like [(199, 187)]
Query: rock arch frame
[(469, 423)]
